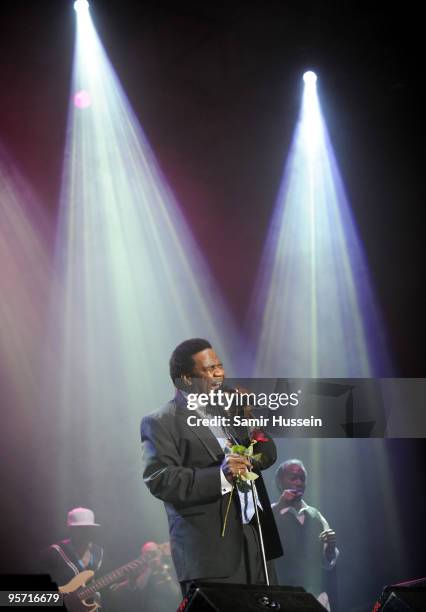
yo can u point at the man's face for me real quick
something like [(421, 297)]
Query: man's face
[(293, 477), (82, 536), (208, 373)]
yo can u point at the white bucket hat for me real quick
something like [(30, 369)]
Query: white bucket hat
[(81, 517)]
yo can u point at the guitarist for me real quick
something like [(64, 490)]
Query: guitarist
[(79, 552)]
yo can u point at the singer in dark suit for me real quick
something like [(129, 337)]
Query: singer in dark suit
[(187, 469)]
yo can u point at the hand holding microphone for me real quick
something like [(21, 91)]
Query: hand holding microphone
[(289, 496)]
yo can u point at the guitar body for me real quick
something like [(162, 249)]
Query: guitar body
[(78, 581), (71, 601)]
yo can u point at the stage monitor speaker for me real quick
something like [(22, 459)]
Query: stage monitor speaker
[(403, 599), (219, 597)]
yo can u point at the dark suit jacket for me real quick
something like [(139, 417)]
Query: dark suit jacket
[(182, 468)]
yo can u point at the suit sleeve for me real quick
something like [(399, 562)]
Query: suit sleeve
[(164, 474)]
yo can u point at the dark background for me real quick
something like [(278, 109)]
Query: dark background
[(217, 86)]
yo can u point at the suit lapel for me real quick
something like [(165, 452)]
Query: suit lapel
[(202, 432)]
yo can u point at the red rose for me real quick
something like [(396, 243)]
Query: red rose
[(259, 436)]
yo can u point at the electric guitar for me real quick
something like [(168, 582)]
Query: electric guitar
[(77, 593)]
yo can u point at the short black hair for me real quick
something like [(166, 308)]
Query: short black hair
[(283, 467), (181, 361)]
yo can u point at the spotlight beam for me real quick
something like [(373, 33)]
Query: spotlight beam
[(132, 282), (315, 309)]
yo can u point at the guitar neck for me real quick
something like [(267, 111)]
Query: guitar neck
[(122, 572)]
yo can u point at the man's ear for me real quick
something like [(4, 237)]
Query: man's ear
[(187, 380)]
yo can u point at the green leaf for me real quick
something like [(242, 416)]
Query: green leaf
[(238, 449), (249, 476)]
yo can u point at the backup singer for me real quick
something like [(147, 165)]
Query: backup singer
[(309, 543)]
